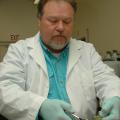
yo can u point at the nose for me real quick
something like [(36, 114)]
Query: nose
[(60, 26)]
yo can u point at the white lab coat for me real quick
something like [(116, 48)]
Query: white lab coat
[(24, 83)]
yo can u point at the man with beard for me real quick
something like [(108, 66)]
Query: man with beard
[(51, 76)]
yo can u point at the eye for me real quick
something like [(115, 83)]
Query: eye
[(52, 20), (67, 21)]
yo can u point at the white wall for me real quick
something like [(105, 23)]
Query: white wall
[(17, 16), (102, 19)]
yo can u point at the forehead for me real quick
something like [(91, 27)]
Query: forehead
[(58, 8)]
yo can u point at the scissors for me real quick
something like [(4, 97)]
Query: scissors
[(74, 116), (77, 118)]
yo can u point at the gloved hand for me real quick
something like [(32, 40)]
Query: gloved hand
[(55, 110), (111, 109)]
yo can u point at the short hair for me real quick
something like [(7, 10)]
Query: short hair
[(42, 3)]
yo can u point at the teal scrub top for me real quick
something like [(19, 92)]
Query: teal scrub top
[(57, 69)]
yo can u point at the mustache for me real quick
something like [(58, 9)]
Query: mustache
[(60, 35)]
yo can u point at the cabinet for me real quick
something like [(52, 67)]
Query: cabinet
[(3, 48)]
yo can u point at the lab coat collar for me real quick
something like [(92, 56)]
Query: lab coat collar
[(74, 54), (36, 52)]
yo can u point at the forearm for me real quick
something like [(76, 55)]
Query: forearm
[(17, 103)]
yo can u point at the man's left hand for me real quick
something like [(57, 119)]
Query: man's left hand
[(110, 109)]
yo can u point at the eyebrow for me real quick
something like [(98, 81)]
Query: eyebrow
[(57, 17)]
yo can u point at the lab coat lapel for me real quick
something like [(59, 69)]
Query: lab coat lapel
[(74, 55), (37, 54)]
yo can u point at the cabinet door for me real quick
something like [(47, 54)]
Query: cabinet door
[(3, 50)]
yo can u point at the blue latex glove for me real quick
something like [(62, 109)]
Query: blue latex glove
[(55, 110), (111, 109)]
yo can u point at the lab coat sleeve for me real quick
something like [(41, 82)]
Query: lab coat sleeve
[(16, 103), (107, 84)]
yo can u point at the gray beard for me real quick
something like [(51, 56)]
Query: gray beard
[(57, 46)]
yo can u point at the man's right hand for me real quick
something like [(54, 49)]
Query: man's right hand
[(55, 110)]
